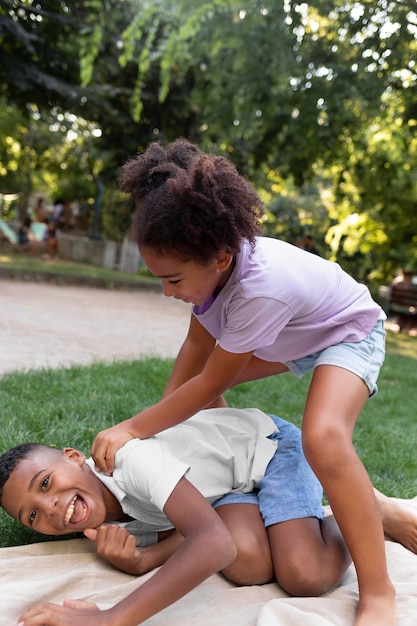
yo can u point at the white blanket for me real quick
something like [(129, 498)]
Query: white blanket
[(70, 569)]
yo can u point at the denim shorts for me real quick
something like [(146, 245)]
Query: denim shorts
[(289, 490), (363, 358)]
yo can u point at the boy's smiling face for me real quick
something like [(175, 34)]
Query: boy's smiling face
[(55, 493)]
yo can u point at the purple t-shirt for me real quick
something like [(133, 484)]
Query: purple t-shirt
[(283, 303)]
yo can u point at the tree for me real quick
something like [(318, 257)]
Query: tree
[(38, 57), (273, 83), (292, 92)]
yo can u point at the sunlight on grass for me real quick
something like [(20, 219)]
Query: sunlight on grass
[(61, 267), (401, 344)]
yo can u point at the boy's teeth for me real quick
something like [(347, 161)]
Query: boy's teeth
[(70, 511), (76, 509)]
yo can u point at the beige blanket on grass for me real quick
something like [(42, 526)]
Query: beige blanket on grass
[(70, 569)]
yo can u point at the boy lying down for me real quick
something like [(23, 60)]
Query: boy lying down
[(267, 512)]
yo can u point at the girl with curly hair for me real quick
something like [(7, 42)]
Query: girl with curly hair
[(260, 307)]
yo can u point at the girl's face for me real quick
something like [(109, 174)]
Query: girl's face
[(187, 280)]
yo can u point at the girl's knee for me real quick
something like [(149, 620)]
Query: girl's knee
[(326, 444)]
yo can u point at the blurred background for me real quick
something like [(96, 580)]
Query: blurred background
[(315, 103)]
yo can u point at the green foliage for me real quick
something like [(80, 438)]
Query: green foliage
[(37, 60), (320, 94), (310, 109), (47, 153), (92, 35), (293, 211)]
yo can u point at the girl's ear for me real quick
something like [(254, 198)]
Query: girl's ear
[(74, 455), (224, 260)]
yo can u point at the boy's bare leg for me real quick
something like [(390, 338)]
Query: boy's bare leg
[(253, 564), (327, 561), (399, 520), (336, 398)]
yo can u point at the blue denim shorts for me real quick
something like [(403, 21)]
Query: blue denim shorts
[(289, 490), (363, 358)]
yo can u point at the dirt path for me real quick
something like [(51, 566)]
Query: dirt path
[(45, 325)]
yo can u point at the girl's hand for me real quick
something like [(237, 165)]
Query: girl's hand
[(72, 613), (107, 442), (117, 546)]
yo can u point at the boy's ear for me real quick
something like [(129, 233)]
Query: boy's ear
[(74, 455), (224, 260)]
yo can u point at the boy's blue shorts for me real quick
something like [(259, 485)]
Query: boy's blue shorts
[(289, 490)]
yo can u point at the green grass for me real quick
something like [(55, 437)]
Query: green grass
[(67, 407), (25, 263)]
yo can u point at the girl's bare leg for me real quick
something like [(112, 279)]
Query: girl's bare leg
[(335, 399), (309, 555), (257, 368), (253, 564)]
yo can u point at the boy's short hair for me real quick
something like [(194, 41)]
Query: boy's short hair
[(10, 460)]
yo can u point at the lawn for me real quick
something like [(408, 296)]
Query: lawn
[(66, 407), (25, 267)]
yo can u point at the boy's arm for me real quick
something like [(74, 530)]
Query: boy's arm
[(156, 555), (118, 547), (207, 548)]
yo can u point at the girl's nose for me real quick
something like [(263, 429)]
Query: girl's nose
[(168, 290)]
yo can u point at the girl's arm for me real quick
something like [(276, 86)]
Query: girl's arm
[(191, 359), (208, 547), (220, 372), (192, 356)]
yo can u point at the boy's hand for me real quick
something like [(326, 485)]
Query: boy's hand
[(107, 442), (73, 613), (117, 546)]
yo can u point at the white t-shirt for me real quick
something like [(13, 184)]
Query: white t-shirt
[(219, 451), (284, 303)]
